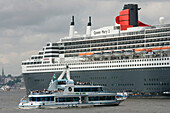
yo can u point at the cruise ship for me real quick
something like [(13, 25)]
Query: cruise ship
[(129, 56)]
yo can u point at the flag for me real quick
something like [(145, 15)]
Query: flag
[(54, 77)]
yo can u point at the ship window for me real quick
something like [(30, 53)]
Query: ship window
[(99, 98), (41, 98), (61, 82), (52, 48), (67, 99), (54, 44), (51, 56), (48, 44), (51, 52)]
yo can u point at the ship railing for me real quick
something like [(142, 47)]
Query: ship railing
[(92, 37), (103, 36), (39, 92), (164, 25), (82, 83), (115, 35)]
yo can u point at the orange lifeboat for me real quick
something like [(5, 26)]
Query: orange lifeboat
[(90, 54), (157, 49), (140, 50), (166, 48), (148, 50), (82, 54)]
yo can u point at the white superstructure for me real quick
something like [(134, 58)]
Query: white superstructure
[(79, 52)]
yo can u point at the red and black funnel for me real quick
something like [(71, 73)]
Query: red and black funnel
[(129, 17)]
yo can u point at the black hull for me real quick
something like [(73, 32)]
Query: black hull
[(136, 80)]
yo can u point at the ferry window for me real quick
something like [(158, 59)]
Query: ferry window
[(61, 82), (77, 90), (94, 89), (87, 89), (67, 99), (41, 98), (98, 98)]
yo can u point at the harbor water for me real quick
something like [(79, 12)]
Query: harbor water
[(9, 101)]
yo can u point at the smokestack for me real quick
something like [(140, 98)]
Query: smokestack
[(133, 14), (71, 33), (88, 30)]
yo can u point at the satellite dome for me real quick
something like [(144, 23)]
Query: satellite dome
[(161, 20)]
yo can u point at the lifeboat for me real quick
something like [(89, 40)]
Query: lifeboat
[(157, 49), (89, 54), (140, 50), (118, 52), (98, 54), (107, 53), (148, 50), (128, 52), (82, 54), (166, 48)]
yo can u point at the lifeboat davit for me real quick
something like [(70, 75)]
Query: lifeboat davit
[(128, 52), (157, 49), (140, 50), (166, 48)]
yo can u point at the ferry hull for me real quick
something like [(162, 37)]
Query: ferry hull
[(40, 105), (135, 80)]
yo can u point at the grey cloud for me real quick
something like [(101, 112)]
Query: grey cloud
[(29, 12)]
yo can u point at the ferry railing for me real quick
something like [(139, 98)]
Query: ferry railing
[(24, 99), (45, 92)]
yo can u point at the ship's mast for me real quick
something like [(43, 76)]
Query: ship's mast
[(67, 71)]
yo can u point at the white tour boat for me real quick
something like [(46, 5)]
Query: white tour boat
[(63, 93)]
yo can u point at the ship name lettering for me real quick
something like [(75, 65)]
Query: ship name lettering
[(97, 32)]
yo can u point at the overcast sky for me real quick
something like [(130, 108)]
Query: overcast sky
[(27, 25)]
